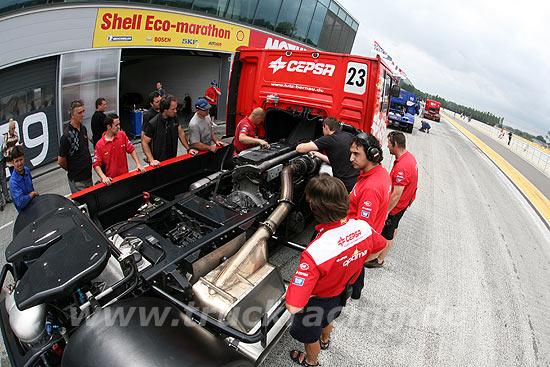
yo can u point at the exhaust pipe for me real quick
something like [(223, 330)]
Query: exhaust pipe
[(245, 287)]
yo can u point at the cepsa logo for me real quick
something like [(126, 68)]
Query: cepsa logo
[(344, 240), (317, 68)]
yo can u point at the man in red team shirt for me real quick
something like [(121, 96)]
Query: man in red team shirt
[(111, 149), (211, 95), (370, 197), (245, 132), (331, 261), (404, 180)]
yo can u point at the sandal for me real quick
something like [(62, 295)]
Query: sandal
[(295, 356), (324, 345)]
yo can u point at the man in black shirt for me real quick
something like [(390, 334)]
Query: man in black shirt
[(98, 119), (154, 102), (163, 132), (335, 143), (74, 155)]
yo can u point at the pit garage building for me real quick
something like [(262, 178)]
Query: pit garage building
[(56, 51)]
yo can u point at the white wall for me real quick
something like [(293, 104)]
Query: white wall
[(179, 74)]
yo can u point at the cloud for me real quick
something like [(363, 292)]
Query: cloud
[(490, 55)]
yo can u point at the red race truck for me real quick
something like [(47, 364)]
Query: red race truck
[(298, 89), (431, 110)]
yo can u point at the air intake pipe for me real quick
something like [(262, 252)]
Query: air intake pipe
[(253, 254)]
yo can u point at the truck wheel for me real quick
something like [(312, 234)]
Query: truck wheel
[(410, 129)]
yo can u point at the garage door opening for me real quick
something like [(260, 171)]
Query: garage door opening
[(183, 73)]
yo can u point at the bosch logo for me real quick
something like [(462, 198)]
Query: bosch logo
[(294, 66), (163, 39), (304, 266)]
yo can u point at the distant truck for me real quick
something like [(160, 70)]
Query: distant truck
[(298, 89), (402, 110), (431, 110)]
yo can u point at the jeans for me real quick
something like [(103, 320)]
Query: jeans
[(76, 186)]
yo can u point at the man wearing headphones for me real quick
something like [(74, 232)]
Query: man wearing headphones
[(163, 132), (370, 198), (404, 180)]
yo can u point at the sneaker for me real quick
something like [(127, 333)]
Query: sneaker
[(373, 264)]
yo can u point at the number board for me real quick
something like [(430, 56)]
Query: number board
[(356, 78)]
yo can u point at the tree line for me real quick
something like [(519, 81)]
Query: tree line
[(485, 117)]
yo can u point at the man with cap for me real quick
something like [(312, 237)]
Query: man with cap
[(211, 95), (201, 130)]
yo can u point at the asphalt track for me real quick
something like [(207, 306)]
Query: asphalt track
[(466, 283)]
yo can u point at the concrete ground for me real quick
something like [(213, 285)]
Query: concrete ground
[(465, 284)]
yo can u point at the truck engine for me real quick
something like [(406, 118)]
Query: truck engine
[(186, 237)]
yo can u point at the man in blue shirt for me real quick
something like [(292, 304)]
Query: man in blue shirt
[(22, 190)]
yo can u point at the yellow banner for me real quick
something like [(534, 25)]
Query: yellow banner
[(136, 27)]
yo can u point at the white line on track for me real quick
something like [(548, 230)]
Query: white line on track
[(6, 225)]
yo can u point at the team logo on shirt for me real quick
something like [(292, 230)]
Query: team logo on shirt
[(343, 241), (356, 255), (365, 213), (244, 130), (367, 203), (304, 266), (298, 281)]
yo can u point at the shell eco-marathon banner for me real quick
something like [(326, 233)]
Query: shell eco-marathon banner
[(138, 27)]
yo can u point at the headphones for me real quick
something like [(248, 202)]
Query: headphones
[(374, 154)]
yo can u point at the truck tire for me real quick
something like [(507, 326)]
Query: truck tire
[(410, 129)]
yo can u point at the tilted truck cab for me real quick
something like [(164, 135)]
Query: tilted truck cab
[(296, 88), (431, 110), (402, 110)]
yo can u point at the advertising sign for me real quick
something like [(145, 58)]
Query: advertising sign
[(137, 27), (262, 40)]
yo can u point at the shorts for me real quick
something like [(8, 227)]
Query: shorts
[(317, 314), (76, 186), (214, 110), (391, 225)]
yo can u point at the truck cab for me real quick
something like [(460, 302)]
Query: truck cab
[(402, 110), (298, 89), (431, 110)]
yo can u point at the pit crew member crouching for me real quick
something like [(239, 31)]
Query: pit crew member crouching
[(331, 262)]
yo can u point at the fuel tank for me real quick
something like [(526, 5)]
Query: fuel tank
[(144, 332)]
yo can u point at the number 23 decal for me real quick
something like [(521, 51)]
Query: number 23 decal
[(356, 78), (360, 74)]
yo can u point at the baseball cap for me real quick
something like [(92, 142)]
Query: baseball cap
[(202, 104), (214, 82)]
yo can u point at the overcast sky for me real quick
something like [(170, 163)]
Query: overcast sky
[(490, 55)]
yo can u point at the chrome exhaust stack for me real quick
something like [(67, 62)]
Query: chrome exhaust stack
[(244, 288)]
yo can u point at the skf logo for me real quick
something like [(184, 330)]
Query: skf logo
[(304, 266), (356, 255), (277, 64), (188, 41), (317, 68), (215, 44)]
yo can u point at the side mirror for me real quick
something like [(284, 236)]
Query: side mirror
[(395, 90)]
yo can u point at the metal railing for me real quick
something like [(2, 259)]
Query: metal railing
[(524, 148)]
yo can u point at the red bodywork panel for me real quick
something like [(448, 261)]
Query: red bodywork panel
[(354, 89), (432, 104)]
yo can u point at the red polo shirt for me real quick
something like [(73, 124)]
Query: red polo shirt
[(370, 198), (112, 154), (404, 173), (336, 255), (211, 93), (245, 126)]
